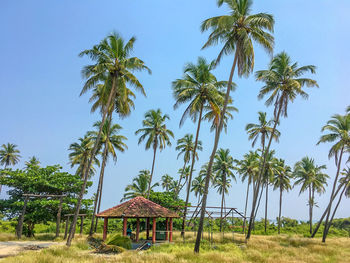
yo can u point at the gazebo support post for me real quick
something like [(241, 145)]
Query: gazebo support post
[(137, 229), (105, 226), (125, 220), (166, 228), (147, 228), (154, 231), (171, 230)]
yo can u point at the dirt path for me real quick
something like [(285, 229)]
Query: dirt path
[(11, 248)]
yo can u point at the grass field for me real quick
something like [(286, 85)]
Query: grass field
[(282, 248)]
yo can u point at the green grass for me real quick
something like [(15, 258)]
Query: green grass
[(275, 249)]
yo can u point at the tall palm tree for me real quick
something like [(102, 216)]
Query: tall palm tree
[(156, 133), (263, 130), (32, 162), (223, 172), (282, 182), (139, 186), (248, 168), (113, 66), (111, 142), (185, 146), (338, 129), (237, 31), (80, 155), (200, 88), (9, 155), (284, 82), (184, 173), (312, 179), (198, 187), (167, 181)]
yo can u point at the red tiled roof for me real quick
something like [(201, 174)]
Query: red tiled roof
[(138, 207)]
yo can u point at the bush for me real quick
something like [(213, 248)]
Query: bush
[(120, 241)]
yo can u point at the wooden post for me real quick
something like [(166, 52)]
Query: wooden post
[(166, 228), (154, 231), (147, 228), (171, 230), (66, 230), (125, 220), (81, 225), (21, 218), (137, 229), (105, 226), (58, 222)]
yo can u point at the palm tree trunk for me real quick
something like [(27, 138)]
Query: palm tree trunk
[(335, 209), (279, 215), (97, 197), (222, 201), (255, 195), (257, 207), (324, 214), (179, 183), (191, 171), (331, 199), (245, 208), (267, 192), (97, 142), (310, 209), (150, 179), (211, 160)]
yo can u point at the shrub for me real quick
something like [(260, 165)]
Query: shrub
[(120, 241)]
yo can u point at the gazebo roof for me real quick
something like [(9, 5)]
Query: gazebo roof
[(137, 207)]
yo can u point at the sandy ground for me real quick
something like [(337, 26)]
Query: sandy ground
[(11, 248)]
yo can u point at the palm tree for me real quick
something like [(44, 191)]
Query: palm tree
[(200, 88), (32, 162), (157, 134), (9, 155), (310, 177), (283, 80), (167, 181), (184, 173), (236, 31), (223, 172), (198, 187), (263, 130), (282, 182), (113, 66), (139, 186), (248, 169), (111, 142), (186, 146), (81, 153), (339, 134)]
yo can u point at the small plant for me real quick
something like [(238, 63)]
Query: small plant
[(120, 241)]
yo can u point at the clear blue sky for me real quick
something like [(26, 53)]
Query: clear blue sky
[(40, 82)]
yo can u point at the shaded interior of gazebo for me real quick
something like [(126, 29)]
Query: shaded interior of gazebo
[(140, 208)]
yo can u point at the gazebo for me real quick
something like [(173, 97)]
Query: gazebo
[(140, 207)]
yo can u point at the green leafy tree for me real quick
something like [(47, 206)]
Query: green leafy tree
[(312, 179), (156, 133), (284, 82), (200, 88), (46, 180), (223, 173), (111, 142), (139, 186), (281, 181), (113, 66), (237, 31), (338, 129), (185, 146)]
